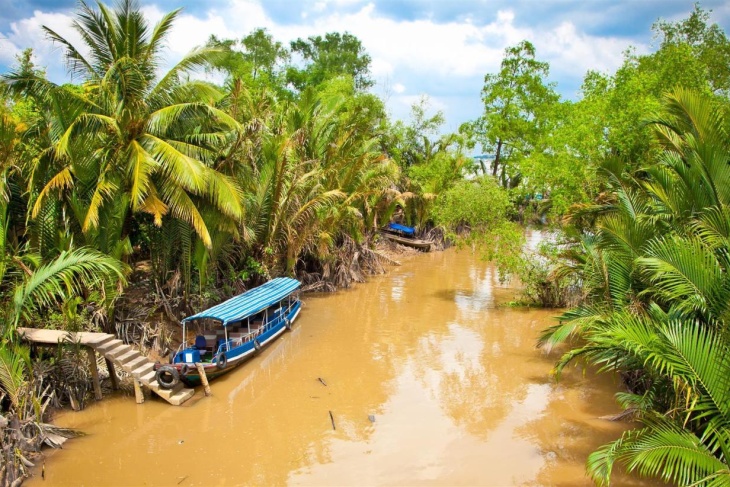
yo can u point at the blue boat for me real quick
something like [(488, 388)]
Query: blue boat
[(230, 333), (401, 229), (405, 235)]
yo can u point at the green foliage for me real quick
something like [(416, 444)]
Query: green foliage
[(539, 272), (475, 213), (543, 145), (708, 44), (129, 133), (328, 57), (430, 164), (655, 273), (256, 60), (14, 360), (70, 274), (517, 104), (480, 204)]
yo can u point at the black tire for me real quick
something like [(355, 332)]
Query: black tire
[(256, 345), (184, 369), (167, 376), (221, 361)]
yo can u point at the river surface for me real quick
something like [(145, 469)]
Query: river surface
[(429, 381)]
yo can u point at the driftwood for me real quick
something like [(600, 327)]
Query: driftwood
[(20, 445)]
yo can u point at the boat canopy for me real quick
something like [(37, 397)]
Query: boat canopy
[(250, 302), (402, 228)]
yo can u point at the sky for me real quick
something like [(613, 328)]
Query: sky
[(438, 48)]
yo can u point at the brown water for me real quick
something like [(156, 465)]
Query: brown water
[(458, 391)]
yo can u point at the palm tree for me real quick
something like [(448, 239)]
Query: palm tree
[(655, 271), (147, 139)]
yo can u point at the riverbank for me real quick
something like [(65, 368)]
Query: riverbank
[(428, 378)]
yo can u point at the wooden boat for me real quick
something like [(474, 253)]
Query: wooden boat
[(412, 242), (403, 235), (241, 327)]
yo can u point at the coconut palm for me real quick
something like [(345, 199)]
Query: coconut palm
[(136, 135)]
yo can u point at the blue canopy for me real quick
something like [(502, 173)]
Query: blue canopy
[(402, 228), (250, 302)]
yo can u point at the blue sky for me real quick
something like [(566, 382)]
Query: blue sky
[(438, 48)]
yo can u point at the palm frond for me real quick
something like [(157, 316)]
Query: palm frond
[(662, 450), (71, 273), (13, 368)]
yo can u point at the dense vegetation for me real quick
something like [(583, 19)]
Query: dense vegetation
[(651, 258), (186, 190), (191, 191)]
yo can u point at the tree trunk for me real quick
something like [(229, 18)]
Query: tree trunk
[(495, 164)]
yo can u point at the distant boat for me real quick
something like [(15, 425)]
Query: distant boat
[(242, 326), (404, 235), (403, 230)]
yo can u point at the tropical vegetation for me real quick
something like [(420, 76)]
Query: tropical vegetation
[(188, 190), (138, 181), (654, 272)]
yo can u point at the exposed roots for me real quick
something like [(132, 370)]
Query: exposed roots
[(23, 430), (21, 441), (351, 262)]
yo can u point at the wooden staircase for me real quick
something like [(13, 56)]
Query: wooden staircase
[(113, 349), (139, 367)]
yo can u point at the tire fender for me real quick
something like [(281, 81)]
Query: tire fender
[(221, 361), (167, 376)]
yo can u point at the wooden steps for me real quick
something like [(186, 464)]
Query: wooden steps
[(114, 350)]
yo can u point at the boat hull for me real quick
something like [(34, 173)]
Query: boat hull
[(239, 354), (424, 245)]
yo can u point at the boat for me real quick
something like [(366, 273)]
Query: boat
[(411, 242), (232, 332), (403, 235), (399, 229)]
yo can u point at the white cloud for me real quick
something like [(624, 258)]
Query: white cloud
[(28, 32), (423, 54), (8, 51), (569, 50), (380, 67)]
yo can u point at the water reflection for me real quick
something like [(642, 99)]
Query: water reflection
[(456, 388)]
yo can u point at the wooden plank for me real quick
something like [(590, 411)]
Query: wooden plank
[(203, 378), (138, 394), (43, 336), (109, 347), (52, 337), (112, 374), (94, 373)]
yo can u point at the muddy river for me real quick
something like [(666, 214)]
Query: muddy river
[(429, 381)]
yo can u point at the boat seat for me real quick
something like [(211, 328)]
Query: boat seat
[(210, 341), (204, 345)]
